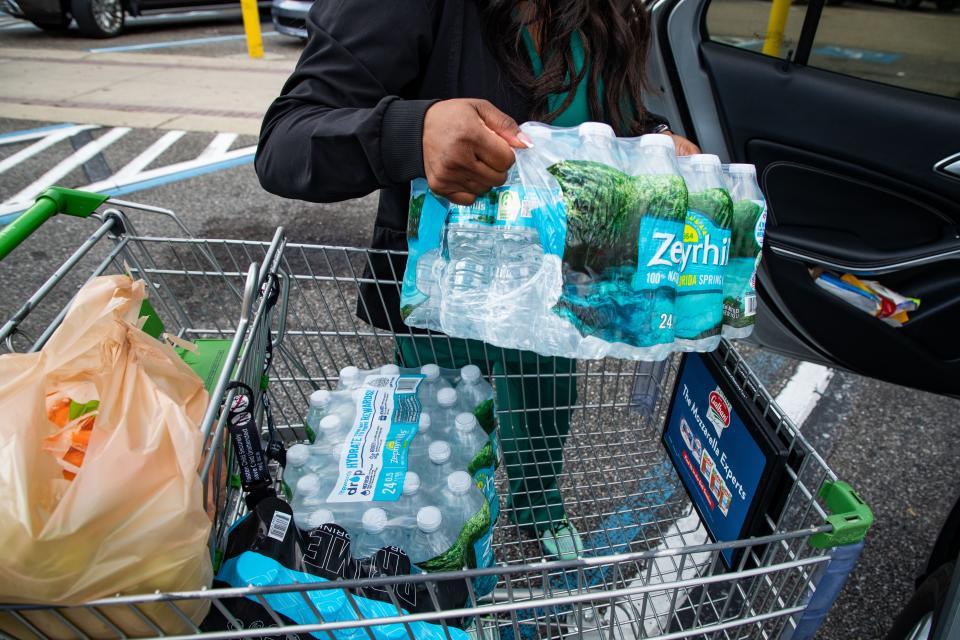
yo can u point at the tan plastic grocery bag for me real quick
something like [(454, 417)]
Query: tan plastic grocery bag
[(132, 519)]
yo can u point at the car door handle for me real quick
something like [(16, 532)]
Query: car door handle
[(949, 165), (842, 251)]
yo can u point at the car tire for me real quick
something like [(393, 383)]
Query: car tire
[(946, 5), (53, 25), (924, 606), (98, 18), (907, 4)]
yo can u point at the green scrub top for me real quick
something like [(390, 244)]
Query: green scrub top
[(579, 109)]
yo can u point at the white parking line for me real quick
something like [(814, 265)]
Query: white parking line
[(804, 390), (797, 399), (138, 164), (26, 196), (46, 140), (218, 146), (137, 174)]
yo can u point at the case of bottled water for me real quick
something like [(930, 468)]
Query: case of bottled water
[(596, 246), (420, 481)]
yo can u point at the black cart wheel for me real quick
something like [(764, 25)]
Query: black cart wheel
[(908, 4), (98, 18)]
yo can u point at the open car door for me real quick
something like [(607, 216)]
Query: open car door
[(851, 114)]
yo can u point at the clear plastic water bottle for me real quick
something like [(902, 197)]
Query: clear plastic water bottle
[(331, 432), (471, 390), (309, 494), (418, 456), (447, 410), (318, 405), (440, 464), (651, 308), (431, 384), (746, 242), (516, 290), (316, 519), (323, 403), (471, 248), (325, 463), (706, 247), (516, 298), (298, 457), (413, 498), (389, 370), (657, 155), (469, 439), (429, 540), (350, 378), (598, 142), (460, 500), (373, 533), (430, 268)]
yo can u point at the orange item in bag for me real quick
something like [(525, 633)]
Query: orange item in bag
[(75, 419)]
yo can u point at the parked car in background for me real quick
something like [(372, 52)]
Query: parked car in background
[(290, 17), (97, 18)]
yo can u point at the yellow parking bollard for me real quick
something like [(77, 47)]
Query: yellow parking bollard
[(251, 26), (776, 25)]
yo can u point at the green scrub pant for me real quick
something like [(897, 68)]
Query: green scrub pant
[(534, 396)]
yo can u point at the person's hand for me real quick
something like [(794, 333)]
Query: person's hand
[(468, 148), (684, 146)]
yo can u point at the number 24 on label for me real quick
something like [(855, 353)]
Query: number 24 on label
[(666, 320)]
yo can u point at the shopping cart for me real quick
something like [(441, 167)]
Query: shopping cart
[(648, 570)]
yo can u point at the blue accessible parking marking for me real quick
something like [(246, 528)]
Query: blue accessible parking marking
[(174, 43), (30, 133), (850, 53)]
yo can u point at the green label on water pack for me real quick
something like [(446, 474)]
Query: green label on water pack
[(374, 459), (706, 251), (506, 206), (740, 283), (703, 264), (615, 286), (483, 546)]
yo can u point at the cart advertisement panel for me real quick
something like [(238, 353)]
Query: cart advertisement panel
[(722, 462)]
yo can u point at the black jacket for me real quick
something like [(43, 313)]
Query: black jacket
[(350, 117)]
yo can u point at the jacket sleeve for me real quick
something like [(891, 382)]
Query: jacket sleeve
[(340, 128)]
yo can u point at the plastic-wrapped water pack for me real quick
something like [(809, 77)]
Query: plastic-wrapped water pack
[(596, 246)]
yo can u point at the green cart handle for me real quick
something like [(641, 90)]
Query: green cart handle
[(849, 515), (48, 204)]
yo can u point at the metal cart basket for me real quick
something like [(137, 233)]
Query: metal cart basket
[(648, 569)]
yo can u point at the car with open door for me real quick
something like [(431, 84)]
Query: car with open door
[(851, 115)]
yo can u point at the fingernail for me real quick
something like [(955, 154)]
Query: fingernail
[(525, 139)]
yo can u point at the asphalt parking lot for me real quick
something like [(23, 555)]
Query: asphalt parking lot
[(889, 442)]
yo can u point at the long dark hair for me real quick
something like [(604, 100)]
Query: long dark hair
[(615, 36)]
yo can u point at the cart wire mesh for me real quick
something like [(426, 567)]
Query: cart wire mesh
[(585, 434)]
